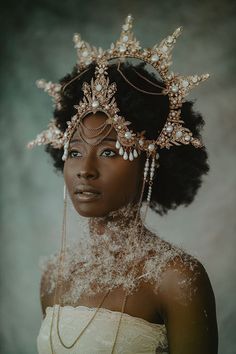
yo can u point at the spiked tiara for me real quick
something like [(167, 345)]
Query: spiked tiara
[(98, 95)]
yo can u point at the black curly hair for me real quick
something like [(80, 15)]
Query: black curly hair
[(181, 167)]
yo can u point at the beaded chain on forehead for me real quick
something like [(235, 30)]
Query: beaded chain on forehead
[(98, 96)]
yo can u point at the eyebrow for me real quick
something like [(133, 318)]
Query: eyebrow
[(77, 140)]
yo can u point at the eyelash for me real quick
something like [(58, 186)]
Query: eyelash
[(75, 151)]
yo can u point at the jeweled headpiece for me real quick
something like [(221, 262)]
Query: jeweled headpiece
[(99, 96)]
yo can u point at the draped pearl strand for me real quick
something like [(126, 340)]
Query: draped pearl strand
[(148, 175)]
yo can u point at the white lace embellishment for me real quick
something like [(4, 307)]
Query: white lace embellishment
[(111, 260)]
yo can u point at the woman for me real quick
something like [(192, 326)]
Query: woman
[(123, 289)]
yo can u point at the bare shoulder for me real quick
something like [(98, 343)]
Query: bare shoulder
[(188, 306), (186, 279)]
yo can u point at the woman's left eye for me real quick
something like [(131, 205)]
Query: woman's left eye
[(108, 153)]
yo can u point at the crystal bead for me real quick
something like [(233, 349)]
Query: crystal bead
[(174, 88), (100, 71), (122, 48), (187, 137), (169, 128), (170, 39), (128, 135), (141, 142), (85, 53), (155, 58), (125, 27), (164, 49), (95, 104), (178, 134), (194, 79), (125, 39), (98, 87), (185, 83), (151, 147)]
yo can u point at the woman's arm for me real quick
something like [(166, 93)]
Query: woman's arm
[(188, 307), (46, 297)]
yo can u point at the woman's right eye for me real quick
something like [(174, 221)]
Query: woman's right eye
[(74, 153)]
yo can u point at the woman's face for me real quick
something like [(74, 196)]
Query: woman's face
[(98, 179)]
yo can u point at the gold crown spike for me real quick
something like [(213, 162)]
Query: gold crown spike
[(53, 135), (127, 43), (86, 53), (52, 89), (99, 95), (128, 47)]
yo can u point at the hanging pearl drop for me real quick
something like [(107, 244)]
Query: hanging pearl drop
[(131, 157), (117, 144), (135, 153), (125, 156), (121, 151)]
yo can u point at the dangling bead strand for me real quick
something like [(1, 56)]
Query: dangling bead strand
[(145, 174), (152, 170), (154, 164), (146, 168)]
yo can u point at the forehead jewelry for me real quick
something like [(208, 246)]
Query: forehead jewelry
[(98, 96)]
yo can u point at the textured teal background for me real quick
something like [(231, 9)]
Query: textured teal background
[(37, 42)]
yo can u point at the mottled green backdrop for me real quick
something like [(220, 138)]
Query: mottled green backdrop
[(37, 42)]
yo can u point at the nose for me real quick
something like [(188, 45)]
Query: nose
[(87, 169)]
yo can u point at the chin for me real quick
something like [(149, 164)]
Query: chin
[(90, 210)]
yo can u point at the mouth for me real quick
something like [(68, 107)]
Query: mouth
[(87, 194)]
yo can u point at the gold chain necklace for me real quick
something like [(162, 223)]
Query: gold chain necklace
[(83, 330), (76, 340), (61, 260)]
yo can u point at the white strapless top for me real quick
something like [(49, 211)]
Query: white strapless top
[(135, 336)]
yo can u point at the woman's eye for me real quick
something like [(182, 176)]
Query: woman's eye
[(74, 153), (108, 153)]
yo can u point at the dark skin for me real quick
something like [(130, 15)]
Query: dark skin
[(188, 312)]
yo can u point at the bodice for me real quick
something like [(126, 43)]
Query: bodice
[(135, 335)]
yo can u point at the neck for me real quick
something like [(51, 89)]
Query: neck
[(120, 221)]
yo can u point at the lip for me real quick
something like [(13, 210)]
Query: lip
[(85, 193)]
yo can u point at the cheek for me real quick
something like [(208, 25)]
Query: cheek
[(68, 176), (125, 179)]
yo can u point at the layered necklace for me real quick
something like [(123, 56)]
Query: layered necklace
[(115, 222)]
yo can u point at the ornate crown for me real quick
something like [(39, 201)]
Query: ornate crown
[(99, 95)]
